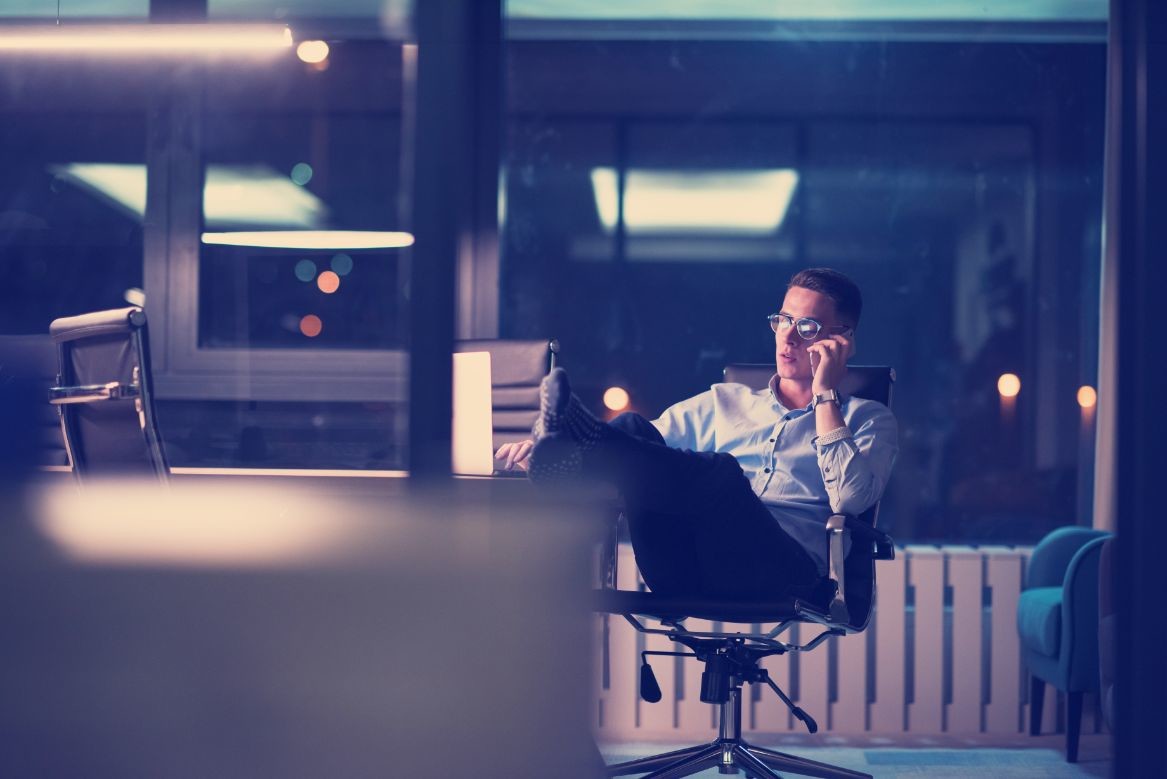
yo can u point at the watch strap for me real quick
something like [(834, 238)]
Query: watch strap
[(825, 397)]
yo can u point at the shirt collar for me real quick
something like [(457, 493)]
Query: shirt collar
[(774, 397)]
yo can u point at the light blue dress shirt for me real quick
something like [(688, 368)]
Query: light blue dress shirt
[(798, 480)]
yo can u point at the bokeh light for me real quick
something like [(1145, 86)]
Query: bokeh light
[(616, 398), (311, 325), (328, 282), (305, 270), (312, 52), (301, 173), (342, 264), (1009, 385), (1087, 397)]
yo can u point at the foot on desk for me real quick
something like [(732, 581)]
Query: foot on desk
[(564, 430), (560, 412)]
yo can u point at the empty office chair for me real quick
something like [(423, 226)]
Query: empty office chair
[(31, 360), (1057, 620), (516, 369), (732, 658), (103, 393)]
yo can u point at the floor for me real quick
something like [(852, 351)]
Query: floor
[(937, 757)]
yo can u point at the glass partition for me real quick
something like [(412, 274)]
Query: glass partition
[(669, 167), (256, 202)]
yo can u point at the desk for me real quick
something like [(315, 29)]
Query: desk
[(370, 637)]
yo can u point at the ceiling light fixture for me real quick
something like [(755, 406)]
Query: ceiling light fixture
[(312, 239), (148, 39)]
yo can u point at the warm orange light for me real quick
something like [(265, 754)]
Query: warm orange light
[(1087, 397), (311, 325), (328, 282), (616, 398), (312, 52), (1009, 385)]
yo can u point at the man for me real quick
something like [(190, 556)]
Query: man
[(727, 493)]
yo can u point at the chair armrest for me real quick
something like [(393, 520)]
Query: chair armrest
[(883, 545), (92, 393), (840, 529)]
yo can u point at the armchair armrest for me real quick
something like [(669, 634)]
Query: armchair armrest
[(1080, 615)]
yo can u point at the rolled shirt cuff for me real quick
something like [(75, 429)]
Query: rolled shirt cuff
[(838, 434)]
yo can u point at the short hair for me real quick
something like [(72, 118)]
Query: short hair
[(835, 285)]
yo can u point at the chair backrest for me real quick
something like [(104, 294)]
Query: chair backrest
[(32, 360), (871, 382), (103, 393), (516, 369)]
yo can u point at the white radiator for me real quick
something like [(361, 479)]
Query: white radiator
[(940, 656)]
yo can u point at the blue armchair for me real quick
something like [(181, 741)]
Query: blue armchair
[(1057, 619)]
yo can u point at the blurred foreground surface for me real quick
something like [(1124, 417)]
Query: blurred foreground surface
[(259, 629)]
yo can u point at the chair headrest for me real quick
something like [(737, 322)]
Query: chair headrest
[(512, 362), (111, 322), (872, 382)]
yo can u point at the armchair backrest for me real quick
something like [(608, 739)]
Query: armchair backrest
[(871, 382), (516, 369), (103, 393)]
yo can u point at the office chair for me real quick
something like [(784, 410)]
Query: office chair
[(732, 658), (516, 369), (1057, 622), (103, 394), (32, 360)]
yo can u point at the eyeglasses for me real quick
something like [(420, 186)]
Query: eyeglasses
[(807, 328)]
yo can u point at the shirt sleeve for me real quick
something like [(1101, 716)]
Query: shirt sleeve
[(689, 424), (855, 469)]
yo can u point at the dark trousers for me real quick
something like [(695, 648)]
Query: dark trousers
[(696, 526)]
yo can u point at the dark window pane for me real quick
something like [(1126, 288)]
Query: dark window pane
[(319, 181), (71, 205)]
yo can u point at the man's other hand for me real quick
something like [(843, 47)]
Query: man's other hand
[(828, 361), (514, 455)]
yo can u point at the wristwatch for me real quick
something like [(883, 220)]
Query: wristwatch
[(830, 396)]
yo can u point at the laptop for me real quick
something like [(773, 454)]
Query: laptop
[(472, 428)]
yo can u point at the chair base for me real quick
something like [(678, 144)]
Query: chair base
[(730, 756), (732, 665)]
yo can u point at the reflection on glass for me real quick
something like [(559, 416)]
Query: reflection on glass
[(728, 202), (268, 234), (66, 248), (233, 195)]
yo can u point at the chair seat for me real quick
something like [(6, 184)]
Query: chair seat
[(677, 607), (1039, 619)]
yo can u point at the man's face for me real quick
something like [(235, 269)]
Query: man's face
[(790, 347)]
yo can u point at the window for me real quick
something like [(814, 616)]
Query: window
[(261, 204), (66, 246), (950, 164)]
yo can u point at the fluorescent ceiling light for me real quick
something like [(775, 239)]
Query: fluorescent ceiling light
[(312, 239), (233, 195), (150, 39), (737, 202), (832, 10), (257, 195)]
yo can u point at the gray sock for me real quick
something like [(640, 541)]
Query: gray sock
[(563, 431)]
